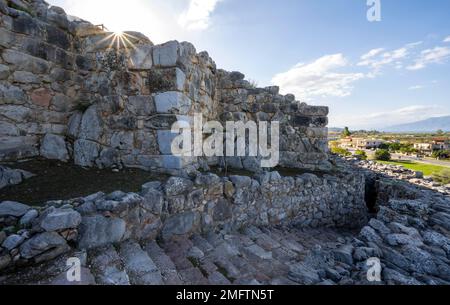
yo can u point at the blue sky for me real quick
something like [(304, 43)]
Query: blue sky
[(371, 74)]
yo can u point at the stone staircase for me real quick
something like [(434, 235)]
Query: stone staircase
[(253, 256), (249, 257)]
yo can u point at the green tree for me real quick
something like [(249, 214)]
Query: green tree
[(346, 132), (361, 154), (382, 155), (440, 132), (441, 154)]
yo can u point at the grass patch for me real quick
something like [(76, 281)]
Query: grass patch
[(426, 169)]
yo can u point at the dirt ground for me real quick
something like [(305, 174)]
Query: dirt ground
[(57, 180)]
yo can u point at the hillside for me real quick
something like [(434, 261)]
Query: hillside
[(428, 125)]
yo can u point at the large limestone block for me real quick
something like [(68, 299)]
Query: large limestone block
[(97, 231), (25, 62), (166, 55), (141, 57), (180, 224), (85, 152), (165, 139), (41, 243), (54, 147), (61, 219), (11, 208), (172, 102), (141, 105), (91, 125), (313, 110)]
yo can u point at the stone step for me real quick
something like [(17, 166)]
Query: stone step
[(139, 266), (193, 276), (164, 264), (202, 243), (266, 242), (107, 267)]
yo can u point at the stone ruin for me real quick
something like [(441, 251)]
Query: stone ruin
[(71, 91)]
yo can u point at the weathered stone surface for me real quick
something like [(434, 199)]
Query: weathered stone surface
[(10, 208), (141, 105), (85, 152), (4, 72), (5, 260), (139, 266), (177, 185), (54, 147), (141, 57), (41, 243), (344, 254), (61, 219), (13, 241), (9, 176), (96, 231), (41, 97), (90, 128), (303, 275), (74, 124), (179, 224), (166, 55), (165, 139), (25, 62), (108, 267), (28, 217), (172, 102), (153, 200), (25, 77)]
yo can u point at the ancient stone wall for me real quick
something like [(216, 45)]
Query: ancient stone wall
[(180, 207), (71, 91)]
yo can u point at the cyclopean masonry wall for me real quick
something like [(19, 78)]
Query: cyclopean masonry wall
[(178, 207), (71, 91)]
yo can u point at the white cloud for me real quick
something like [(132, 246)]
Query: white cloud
[(372, 53), (416, 87), (197, 16), (389, 117), (447, 39), (430, 56), (318, 78), (377, 58)]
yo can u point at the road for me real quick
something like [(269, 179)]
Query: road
[(395, 157), (421, 160)]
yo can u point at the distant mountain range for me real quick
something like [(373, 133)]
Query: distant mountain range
[(428, 125), (335, 129)]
